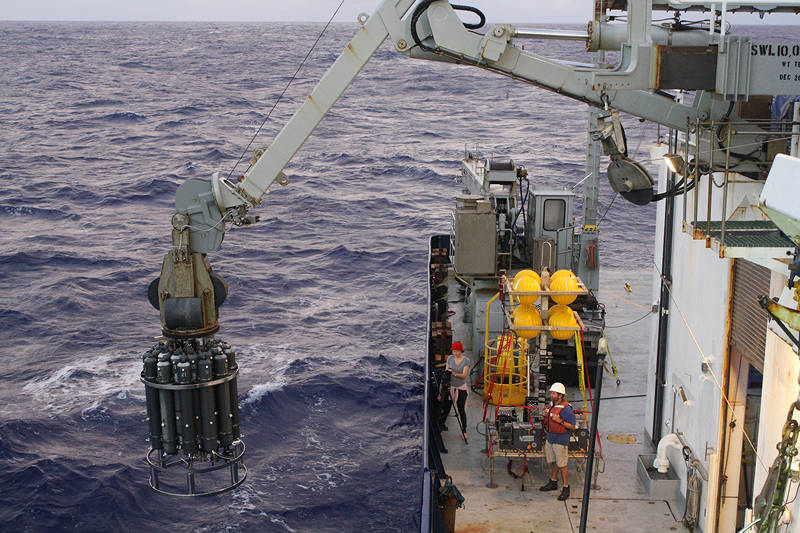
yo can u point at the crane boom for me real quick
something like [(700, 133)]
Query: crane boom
[(269, 166), (434, 31)]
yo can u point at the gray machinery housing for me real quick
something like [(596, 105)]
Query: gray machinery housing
[(497, 226), (549, 228)]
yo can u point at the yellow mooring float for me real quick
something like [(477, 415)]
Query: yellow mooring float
[(567, 283), (526, 284), (522, 282), (526, 274), (560, 317), (527, 316), (563, 272)]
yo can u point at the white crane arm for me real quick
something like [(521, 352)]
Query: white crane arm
[(434, 31), (269, 167)]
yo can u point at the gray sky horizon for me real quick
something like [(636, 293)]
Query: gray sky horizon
[(530, 12)]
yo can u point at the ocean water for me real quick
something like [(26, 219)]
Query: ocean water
[(100, 124)]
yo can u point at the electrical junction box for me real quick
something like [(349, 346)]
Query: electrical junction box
[(475, 237), (527, 437)]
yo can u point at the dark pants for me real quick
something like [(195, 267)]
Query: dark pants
[(461, 403)]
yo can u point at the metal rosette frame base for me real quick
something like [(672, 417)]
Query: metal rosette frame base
[(172, 467)]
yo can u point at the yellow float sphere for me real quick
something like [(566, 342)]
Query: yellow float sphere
[(558, 273), (527, 316), (561, 316), (526, 284), (526, 273), (564, 283)]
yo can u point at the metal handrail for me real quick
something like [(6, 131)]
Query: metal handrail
[(694, 137), (452, 254), (425, 518), (510, 249), (550, 253), (432, 470), (569, 249)]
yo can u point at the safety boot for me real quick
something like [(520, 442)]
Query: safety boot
[(550, 485)]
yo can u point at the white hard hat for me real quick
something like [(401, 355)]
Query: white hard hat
[(559, 388)]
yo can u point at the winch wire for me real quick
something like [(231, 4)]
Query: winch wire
[(286, 88), (632, 322)]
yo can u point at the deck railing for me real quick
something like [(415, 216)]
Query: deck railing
[(433, 472)]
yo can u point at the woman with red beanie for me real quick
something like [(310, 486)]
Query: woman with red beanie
[(458, 366)]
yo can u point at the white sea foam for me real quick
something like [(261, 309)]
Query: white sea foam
[(278, 520), (258, 391), (82, 385), (271, 360)]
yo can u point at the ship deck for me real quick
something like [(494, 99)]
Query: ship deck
[(619, 503)]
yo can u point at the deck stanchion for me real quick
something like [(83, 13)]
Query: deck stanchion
[(686, 171), (710, 192), (724, 216), (696, 177), (587, 481)]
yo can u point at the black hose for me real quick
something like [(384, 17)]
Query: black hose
[(675, 191), (471, 9), (718, 137), (421, 8), (632, 322), (522, 199), (425, 4)]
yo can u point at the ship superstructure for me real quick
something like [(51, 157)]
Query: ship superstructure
[(523, 275)]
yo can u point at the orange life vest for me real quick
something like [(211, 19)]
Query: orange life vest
[(555, 427)]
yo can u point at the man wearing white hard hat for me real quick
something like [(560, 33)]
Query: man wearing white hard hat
[(558, 421)]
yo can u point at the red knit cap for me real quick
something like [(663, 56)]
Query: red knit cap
[(458, 346)]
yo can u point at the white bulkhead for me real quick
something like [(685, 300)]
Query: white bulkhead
[(700, 364)]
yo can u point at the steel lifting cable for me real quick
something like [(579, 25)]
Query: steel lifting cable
[(708, 365), (603, 217), (286, 88), (632, 322), (641, 138)]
